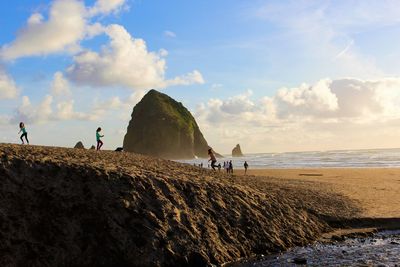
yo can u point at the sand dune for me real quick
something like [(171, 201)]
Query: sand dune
[(71, 207)]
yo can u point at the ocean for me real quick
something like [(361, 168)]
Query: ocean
[(364, 158)]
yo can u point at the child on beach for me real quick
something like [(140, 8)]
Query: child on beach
[(212, 158), (24, 133), (98, 136)]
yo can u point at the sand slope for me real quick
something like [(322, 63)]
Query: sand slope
[(70, 207)]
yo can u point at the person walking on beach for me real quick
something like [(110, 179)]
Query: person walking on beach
[(245, 167), (24, 133), (230, 167), (212, 158), (98, 138)]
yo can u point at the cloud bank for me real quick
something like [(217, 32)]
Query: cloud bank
[(328, 113)]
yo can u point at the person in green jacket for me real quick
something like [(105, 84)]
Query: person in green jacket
[(24, 133), (98, 136)]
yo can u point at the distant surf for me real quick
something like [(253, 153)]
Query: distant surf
[(363, 158)]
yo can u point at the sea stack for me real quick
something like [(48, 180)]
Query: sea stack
[(236, 151), (163, 127)]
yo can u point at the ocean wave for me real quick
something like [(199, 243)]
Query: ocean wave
[(371, 158)]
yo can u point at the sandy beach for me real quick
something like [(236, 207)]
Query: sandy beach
[(377, 190), (77, 207)]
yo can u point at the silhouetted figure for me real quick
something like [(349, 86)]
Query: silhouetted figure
[(212, 158), (24, 133), (230, 167), (245, 167), (98, 138), (219, 167)]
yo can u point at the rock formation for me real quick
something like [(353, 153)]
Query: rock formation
[(92, 147), (236, 151), (163, 127), (79, 145)]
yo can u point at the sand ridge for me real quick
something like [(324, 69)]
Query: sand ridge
[(71, 207)]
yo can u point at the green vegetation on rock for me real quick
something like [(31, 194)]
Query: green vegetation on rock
[(163, 127)]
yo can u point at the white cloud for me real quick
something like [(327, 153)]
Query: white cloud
[(29, 113), (125, 62), (190, 78), (305, 100), (60, 86), (326, 115), (62, 31), (238, 104), (56, 106), (59, 106), (65, 111), (8, 88), (326, 99), (94, 30), (35, 19), (240, 108), (106, 6), (48, 110), (116, 103), (67, 25), (169, 34)]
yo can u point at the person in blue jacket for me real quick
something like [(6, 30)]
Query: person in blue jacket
[(98, 138), (24, 133)]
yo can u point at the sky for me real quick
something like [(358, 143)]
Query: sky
[(273, 76)]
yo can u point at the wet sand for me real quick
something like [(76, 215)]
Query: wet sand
[(377, 190)]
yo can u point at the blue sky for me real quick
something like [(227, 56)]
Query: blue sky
[(270, 75)]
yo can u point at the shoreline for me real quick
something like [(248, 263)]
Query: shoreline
[(357, 241)]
